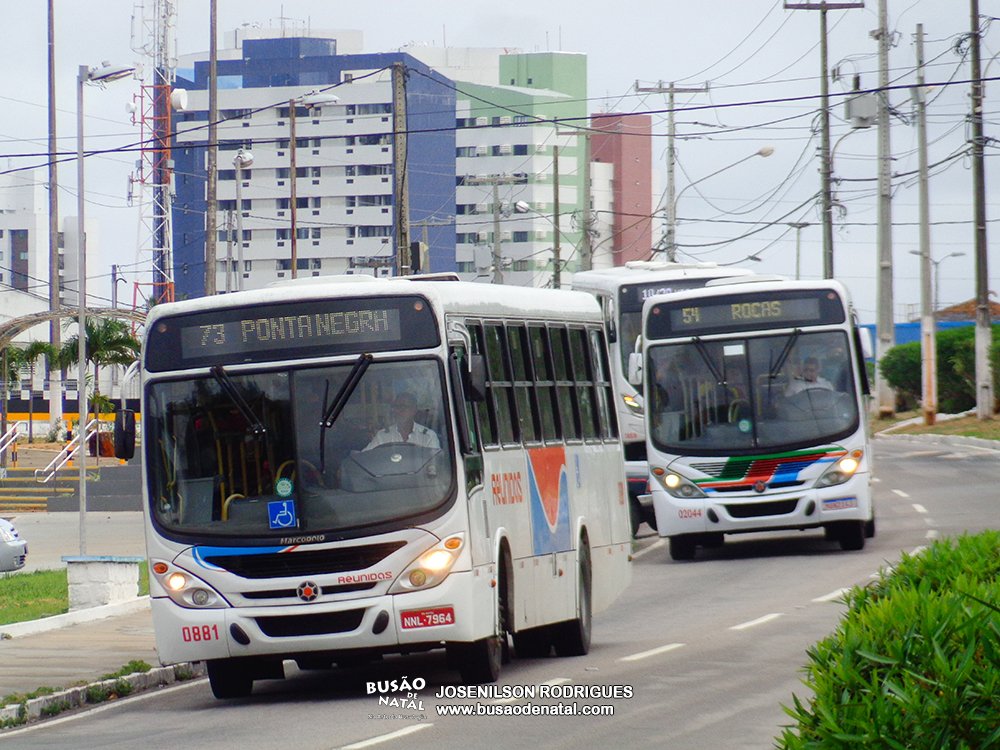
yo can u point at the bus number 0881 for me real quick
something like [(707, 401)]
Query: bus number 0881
[(199, 633)]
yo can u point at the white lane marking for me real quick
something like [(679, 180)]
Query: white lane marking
[(876, 479), (917, 550), (832, 596), (758, 621), (932, 534), (919, 508), (655, 545), (554, 681), (386, 737), (901, 493), (652, 652)]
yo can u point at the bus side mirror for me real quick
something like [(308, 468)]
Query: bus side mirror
[(475, 378), (635, 369), (125, 434), (865, 339)]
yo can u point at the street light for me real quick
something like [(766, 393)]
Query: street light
[(86, 74), (671, 234), (937, 276), (241, 161)]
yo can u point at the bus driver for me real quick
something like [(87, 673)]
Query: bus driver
[(810, 378), (403, 428)]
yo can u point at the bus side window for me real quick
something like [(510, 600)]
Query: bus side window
[(485, 411)]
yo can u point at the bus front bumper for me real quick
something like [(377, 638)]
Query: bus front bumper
[(743, 513), (460, 609)]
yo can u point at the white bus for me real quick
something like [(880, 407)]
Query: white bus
[(756, 413), (342, 469), (621, 291)]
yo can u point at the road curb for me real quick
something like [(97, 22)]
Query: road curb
[(958, 441), (98, 692), (90, 614)]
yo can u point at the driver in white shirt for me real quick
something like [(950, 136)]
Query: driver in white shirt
[(404, 429), (810, 378)]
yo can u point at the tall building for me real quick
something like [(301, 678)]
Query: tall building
[(345, 198), (24, 232), (496, 172), (625, 143)]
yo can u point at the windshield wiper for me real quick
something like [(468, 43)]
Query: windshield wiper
[(344, 394), (255, 426), (773, 372), (703, 351)]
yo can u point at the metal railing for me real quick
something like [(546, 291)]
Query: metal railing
[(45, 475), (10, 437)]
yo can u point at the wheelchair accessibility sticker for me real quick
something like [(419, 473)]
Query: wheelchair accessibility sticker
[(281, 514)]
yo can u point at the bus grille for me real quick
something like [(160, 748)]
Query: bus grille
[(294, 594), (306, 563), (289, 626), (752, 510)]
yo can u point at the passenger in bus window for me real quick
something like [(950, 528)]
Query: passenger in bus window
[(809, 378), (404, 428)]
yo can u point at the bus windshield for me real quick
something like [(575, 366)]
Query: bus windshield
[(263, 453), (739, 395)]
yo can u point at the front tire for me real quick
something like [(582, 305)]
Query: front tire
[(572, 638), (683, 547), (851, 535), (480, 662), (229, 678)]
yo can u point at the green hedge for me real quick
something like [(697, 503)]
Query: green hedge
[(956, 368), (915, 662)]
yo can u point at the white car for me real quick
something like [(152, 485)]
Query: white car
[(13, 549)]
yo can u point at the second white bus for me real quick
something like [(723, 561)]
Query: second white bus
[(756, 412), (621, 291)]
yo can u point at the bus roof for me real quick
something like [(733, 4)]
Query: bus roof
[(467, 297), (633, 272), (751, 285)]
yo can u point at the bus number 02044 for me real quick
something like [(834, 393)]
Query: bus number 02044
[(199, 633)]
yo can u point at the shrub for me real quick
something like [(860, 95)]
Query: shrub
[(956, 368), (915, 662)]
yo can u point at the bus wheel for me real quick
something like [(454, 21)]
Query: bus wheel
[(851, 535), (229, 678), (572, 638), (480, 661), (870, 528), (634, 515), (533, 643), (682, 547)]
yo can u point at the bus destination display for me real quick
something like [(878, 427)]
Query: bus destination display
[(290, 330), (274, 332), (736, 312)]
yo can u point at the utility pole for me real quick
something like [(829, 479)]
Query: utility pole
[(292, 190), (55, 293), (556, 241), (984, 371), (885, 323), (826, 164), (798, 226), (402, 202), (496, 180), (670, 238), (211, 164), (928, 333)]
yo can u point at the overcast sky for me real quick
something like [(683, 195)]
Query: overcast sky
[(760, 61)]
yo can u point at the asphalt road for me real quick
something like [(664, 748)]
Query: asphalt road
[(709, 649)]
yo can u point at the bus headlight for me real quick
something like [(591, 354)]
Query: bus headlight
[(633, 404), (676, 485), (841, 470), (431, 567), (184, 589)]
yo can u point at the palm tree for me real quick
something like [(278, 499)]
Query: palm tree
[(109, 342), (31, 353)]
